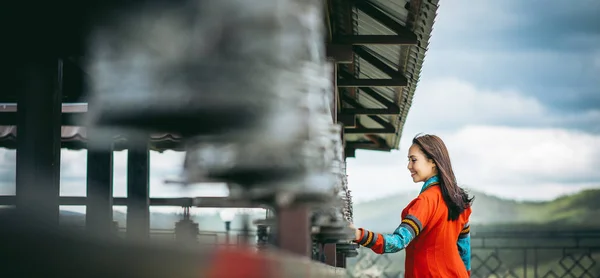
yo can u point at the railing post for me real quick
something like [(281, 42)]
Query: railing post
[(293, 230)]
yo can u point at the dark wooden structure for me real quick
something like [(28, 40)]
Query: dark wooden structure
[(377, 46)]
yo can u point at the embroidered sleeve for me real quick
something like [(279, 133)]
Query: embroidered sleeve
[(464, 246), (411, 226), (370, 240), (397, 241)]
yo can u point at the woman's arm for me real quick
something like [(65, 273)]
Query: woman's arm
[(418, 214), (464, 246), (385, 243)]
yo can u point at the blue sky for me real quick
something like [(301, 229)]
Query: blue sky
[(512, 86), (548, 50)]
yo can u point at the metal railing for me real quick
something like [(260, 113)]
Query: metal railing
[(506, 254)]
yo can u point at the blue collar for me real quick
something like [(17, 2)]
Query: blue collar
[(431, 181)]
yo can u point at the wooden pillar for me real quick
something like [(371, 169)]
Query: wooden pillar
[(293, 230), (39, 109), (99, 211), (330, 254), (138, 189)]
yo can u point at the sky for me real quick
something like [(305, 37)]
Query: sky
[(512, 87)]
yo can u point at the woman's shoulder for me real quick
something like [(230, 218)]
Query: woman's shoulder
[(431, 196), (432, 193)]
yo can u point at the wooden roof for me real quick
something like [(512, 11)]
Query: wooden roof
[(379, 46), (389, 40)]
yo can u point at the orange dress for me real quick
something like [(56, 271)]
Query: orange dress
[(435, 246)]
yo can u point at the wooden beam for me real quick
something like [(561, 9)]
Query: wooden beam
[(375, 39), (74, 85), (387, 128), (382, 122), (379, 141), (367, 146), (370, 57), (391, 106), (390, 109), (354, 82), (367, 111), (383, 18), (67, 119), (365, 130)]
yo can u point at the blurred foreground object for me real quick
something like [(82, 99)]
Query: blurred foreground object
[(248, 86), (36, 250), (203, 67)]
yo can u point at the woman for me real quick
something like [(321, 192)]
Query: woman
[(435, 226)]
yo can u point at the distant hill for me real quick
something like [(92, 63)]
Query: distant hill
[(581, 209)]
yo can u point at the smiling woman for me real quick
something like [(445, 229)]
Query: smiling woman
[(434, 228)]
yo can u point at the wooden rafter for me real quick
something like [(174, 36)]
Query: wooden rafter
[(376, 13), (390, 107), (386, 127)]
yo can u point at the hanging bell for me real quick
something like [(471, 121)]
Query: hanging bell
[(330, 227), (200, 66)]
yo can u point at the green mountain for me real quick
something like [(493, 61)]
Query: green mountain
[(580, 209)]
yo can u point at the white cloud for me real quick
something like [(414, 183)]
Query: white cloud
[(517, 163), (451, 102), (527, 155), (448, 104)]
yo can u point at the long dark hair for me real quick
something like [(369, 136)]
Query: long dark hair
[(456, 198)]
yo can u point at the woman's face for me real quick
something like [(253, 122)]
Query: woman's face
[(421, 168)]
